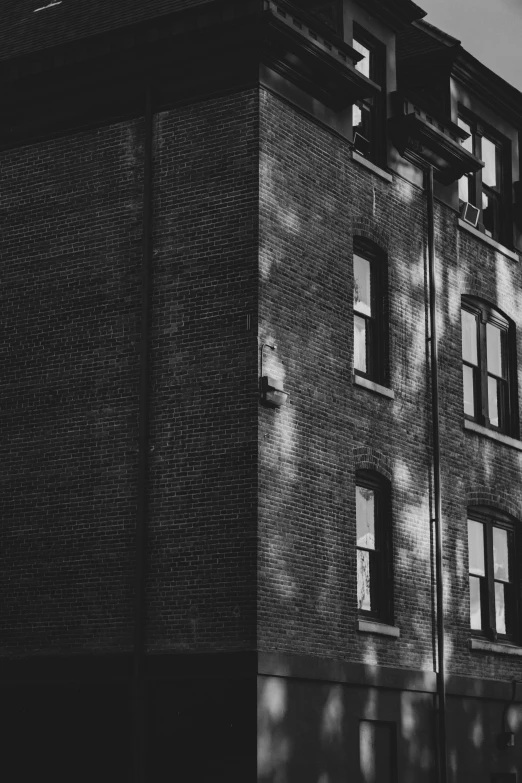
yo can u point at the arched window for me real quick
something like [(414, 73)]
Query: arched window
[(488, 366), (369, 312), (493, 591), (374, 560)]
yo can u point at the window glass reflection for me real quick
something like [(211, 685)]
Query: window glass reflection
[(362, 285), (494, 349), (469, 396), (475, 610), (500, 554), (363, 65), (493, 411), (500, 607), (364, 601), (359, 345), (469, 337), (489, 156), (476, 547), (365, 517)]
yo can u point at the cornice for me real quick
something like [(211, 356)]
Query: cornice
[(490, 88), (396, 14)]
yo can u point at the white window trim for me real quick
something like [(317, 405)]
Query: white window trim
[(371, 166), (483, 645), (383, 629), (374, 387), (472, 426)]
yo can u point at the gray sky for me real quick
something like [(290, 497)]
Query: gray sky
[(491, 30)]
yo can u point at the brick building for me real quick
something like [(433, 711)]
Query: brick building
[(260, 404)]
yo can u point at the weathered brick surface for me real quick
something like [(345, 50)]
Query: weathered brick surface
[(71, 296), (204, 404), (313, 201), (70, 253)]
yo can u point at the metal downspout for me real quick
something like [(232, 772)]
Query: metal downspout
[(441, 672), (139, 699)]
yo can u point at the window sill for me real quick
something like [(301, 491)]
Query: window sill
[(374, 387), (492, 435), (502, 648), (372, 626), (491, 242), (372, 167)]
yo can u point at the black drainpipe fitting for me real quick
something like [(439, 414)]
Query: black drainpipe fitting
[(139, 696), (441, 671)]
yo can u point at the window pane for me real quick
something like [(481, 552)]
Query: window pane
[(363, 65), (493, 411), (359, 345), (489, 156), (362, 294), (469, 395), (500, 554), (365, 517), (467, 143), (464, 189), (494, 350), (356, 116), (476, 547), (364, 601), (469, 337), (500, 608), (475, 611)]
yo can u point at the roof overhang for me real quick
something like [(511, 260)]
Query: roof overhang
[(431, 141)]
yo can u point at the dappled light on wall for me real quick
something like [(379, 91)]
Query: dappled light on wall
[(273, 745)]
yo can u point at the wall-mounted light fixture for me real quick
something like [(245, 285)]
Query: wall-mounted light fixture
[(272, 392)]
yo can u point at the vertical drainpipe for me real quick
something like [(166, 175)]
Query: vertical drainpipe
[(139, 697), (441, 673)]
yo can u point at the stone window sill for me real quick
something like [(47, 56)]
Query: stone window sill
[(374, 387), (472, 426), (372, 167), (488, 241), (501, 648), (370, 626)]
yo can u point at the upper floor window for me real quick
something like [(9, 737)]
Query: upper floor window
[(488, 190), (493, 609), (370, 334), (373, 521), (488, 366), (368, 114)]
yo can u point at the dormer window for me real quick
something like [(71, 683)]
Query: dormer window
[(368, 114), (487, 189)]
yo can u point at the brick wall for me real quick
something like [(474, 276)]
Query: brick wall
[(313, 201), (204, 407), (71, 298), (71, 252)]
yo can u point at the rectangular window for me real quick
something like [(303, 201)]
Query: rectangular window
[(369, 329), (488, 189), (488, 372), (492, 584), (373, 545), (369, 114)]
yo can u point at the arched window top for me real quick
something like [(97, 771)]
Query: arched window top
[(368, 248), (486, 308)]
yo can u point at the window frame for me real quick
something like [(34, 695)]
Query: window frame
[(501, 194), (381, 583), (492, 518), (377, 368), (376, 107), (485, 314)]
